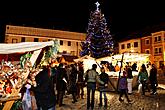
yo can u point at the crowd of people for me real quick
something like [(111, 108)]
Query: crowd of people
[(53, 83)]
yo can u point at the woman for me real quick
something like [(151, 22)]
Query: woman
[(143, 78)]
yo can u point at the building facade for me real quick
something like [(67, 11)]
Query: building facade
[(133, 45), (153, 45), (158, 47), (69, 41)]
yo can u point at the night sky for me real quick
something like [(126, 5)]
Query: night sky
[(124, 17)]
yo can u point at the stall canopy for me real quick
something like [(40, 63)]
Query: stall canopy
[(131, 57), (23, 47)]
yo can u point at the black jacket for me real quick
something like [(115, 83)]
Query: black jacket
[(44, 91)]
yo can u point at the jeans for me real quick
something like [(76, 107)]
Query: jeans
[(91, 87), (103, 92)]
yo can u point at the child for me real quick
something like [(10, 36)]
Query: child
[(123, 87)]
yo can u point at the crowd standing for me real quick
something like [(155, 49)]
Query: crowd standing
[(54, 82)]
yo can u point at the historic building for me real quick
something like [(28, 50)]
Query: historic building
[(153, 45), (69, 41), (132, 45)]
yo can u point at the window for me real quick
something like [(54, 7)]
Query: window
[(76, 43), (122, 46), (147, 41), (135, 44), (61, 42), (128, 45), (155, 39), (160, 50), (35, 39), (159, 38), (22, 39), (156, 51), (14, 40), (69, 43), (147, 51)]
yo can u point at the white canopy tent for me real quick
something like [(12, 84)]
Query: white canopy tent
[(23, 47)]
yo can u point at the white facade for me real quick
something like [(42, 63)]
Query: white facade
[(69, 41)]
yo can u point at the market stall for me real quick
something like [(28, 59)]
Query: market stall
[(116, 59), (14, 76)]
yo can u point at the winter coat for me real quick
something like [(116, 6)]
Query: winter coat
[(44, 91), (122, 83)]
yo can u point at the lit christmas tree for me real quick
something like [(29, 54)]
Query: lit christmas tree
[(99, 42)]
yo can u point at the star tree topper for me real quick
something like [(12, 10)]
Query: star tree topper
[(97, 6)]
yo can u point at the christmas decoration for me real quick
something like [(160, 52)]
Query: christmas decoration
[(50, 54), (99, 42)]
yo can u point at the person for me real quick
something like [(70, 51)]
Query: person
[(61, 81), (123, 87), (143, 78), (134, 66), (80, 82), (129, 80), (73, 86), (105, 78), (153, 79), (91, 76), (44, 91), (117, 68)]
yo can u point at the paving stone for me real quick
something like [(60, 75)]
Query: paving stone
[(140, 102)]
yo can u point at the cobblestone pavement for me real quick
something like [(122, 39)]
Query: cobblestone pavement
[(147, 102)]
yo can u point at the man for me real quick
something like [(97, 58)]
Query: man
[(105, 78), (91, 77), (44, 91), (61, 80), (153, 79)]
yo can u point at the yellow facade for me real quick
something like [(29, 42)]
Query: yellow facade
[(133, 45), (69, 41)]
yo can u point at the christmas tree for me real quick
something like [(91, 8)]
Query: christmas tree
[(99, 42)]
